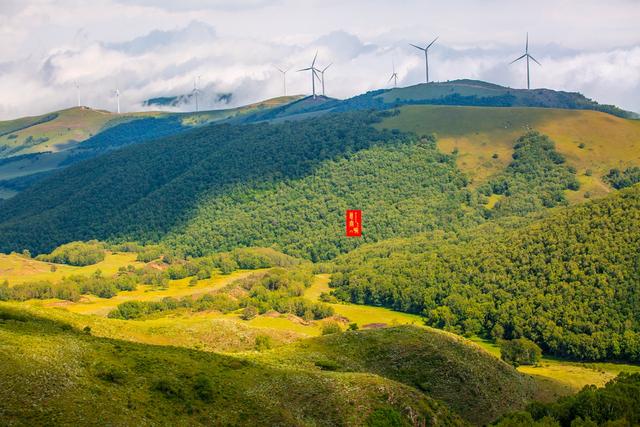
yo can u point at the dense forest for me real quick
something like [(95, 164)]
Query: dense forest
[(227, 175), (569, 282), (616, 404), (535, 179)]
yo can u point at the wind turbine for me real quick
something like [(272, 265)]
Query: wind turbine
[(77, 91), (322, 76), (526, 55), (196, 90), (117, 93), (284, 79), (394, 76), (314, 74), (426, 54)]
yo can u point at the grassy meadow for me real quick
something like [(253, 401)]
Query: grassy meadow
[(593, 142)]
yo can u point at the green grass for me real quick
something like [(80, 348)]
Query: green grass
[(475, 384), (477, 133), (18, 269), (54, 374), (573, 376)]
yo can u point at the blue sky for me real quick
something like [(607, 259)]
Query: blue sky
[(150, 48)]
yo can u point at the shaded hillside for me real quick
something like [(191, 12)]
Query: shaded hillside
[(32, 147), (146, 190), (570, 282), (54, 374), (472, 382)]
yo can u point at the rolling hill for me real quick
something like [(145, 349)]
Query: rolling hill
[(237, 177), (568, 281), (32, 148), (53, 373)]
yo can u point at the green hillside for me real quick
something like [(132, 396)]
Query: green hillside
[(54, 374), (469, 380), (253, 185), (35, 146), (592, 142), (569, 282)]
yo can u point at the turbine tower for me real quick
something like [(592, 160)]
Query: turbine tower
[(322, 76), (284, 79), (527, 56), (426, 55), (77, 91), (118, 99), (394, 76), (196, 91), (314, 74)]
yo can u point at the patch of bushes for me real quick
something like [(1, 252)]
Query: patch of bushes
[(76, 253), (621, 179)]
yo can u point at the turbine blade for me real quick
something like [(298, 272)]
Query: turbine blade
[(278, 68), (305, 69), (325, 68), (314, 59), (517, 59), (536, 61), (417, 47), (390, 78), (526, 47), (434, 40)]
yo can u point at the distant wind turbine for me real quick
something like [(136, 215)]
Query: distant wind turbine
[(196, 91), (284, 79), (426, 55), (118, 99), (314, 74), (322, 76), (77, 91), (526, 55), (394, 76)]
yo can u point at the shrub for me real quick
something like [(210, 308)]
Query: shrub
[(203, 388), (263, 342), (520, 351), (249, 313), (331, 328)]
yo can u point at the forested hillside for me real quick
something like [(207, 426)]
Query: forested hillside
[(227, 186), (570, 282)]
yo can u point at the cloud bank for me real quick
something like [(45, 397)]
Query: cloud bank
[(150, 49)]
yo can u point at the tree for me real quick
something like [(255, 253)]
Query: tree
[(520, 351)]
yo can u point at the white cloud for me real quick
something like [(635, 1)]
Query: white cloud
[(152, 48)]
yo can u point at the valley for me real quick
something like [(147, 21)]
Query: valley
[(192, 268)]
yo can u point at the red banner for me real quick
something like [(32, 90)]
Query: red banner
[(354, 223)]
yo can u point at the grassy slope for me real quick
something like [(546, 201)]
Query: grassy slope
[(479, 132), (18, 269), (469, 380), (54, 374)]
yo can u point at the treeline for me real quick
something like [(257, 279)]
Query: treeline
[(73, 287), (278, 289), (535, 179), (615, 404), (569, 282)]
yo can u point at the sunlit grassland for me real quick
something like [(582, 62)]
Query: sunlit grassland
[(590, 140), (18, 269), (176, 289), (573, 376)]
